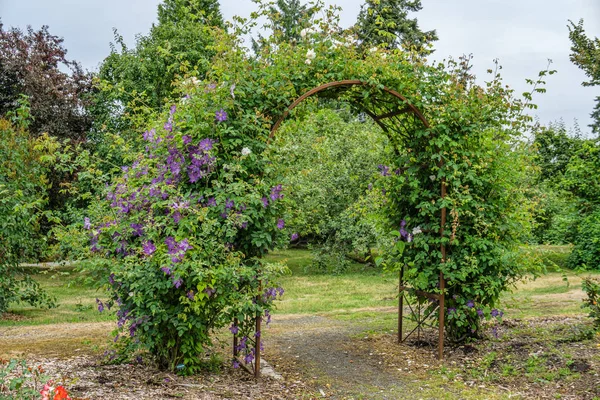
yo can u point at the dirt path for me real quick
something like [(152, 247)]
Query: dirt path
[(326, 352), (315, 354)]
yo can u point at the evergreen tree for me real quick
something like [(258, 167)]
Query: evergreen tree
[(287, 18), (385, 23), (585, 53), (178, 42)]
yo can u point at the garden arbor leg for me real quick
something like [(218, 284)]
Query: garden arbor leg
[(400, 304), (257, 349)]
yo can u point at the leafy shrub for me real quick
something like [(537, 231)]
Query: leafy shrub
[(591, 287), (23, 195), (586, 252), (184, 226)]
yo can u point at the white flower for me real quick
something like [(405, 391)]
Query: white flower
[(307, 61), (432, 177), (231, 91), (303, 33), (246, 151), (373, 49), (384, 55), (192, 81), (416, 230), (310, 54)]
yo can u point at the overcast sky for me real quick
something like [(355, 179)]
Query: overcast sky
[(522, 34)]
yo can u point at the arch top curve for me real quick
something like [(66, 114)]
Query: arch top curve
[(377, 115)]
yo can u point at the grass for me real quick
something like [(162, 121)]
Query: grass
[(76, 302), (361, 293)]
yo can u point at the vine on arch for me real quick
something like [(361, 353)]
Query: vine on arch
[(183, 230)]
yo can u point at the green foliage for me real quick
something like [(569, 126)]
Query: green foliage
[(586, 252), (385, 23), (591, 287), (23, 196), (179, 43), (327, 160), (585, 53), (286, 21)]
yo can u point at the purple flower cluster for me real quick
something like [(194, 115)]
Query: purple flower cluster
[(404, 234), (149, 248), (100, 305), (280, 223), (177, 250), (271, 293), (294, 237), (276, 193), (384, 170), (150, 136), (177, 283), (137, 229), (201, 163)]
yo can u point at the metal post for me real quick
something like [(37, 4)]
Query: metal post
[(400, 303), (257, 349), (235, 340)]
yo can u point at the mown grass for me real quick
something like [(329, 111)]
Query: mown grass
[(361, 293), (76, 302)]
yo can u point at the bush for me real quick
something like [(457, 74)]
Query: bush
[(23, 195), (586, 252), (591, 287)]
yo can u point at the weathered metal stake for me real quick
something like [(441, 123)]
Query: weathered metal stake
[(257, 349), (400, 303)]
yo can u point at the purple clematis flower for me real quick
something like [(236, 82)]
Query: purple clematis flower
[(470, 304), (234, 329), (100, 305), (295, 236), (221, 115), (87, 224), (384, 170), (149, 248), (280, 223), (177, 283), (168, 126)]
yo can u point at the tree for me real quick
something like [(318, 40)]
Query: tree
[(287, 18), (23, 197), (178, 44), (385, 23), (30, 64), (585, 53)]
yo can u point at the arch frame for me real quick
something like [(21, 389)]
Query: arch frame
[(403, 290)]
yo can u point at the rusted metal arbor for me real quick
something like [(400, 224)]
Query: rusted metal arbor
[(393, 113)]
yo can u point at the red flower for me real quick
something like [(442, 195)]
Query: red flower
[(60, 393)]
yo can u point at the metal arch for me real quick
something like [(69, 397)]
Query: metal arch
[(377, 118), (348, 82)]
